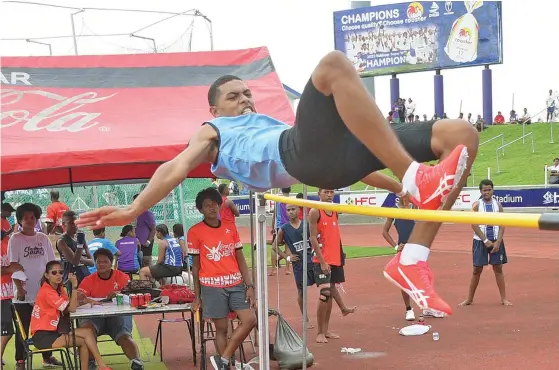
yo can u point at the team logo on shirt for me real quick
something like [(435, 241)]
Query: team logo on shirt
[(34, 252), (220, 251)]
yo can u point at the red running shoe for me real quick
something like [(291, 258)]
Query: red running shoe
[(417, 281), (434, 183)]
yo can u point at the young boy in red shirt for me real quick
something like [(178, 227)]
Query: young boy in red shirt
[(222, 281)]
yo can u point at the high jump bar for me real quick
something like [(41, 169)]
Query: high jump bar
[(544, 221)]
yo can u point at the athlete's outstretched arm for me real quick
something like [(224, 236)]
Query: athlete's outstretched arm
[(168, 176)]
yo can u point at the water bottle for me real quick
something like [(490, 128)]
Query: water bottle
[(435, 336)]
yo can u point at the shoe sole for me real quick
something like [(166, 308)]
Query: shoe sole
[(460, 168)]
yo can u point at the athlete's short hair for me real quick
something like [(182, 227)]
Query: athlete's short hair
[(209, 193), (486, 182), (213, 92)]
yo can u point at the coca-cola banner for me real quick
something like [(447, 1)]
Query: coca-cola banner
[(76, 119)]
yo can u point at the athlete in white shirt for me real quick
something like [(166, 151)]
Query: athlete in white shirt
[(32, 250), (550, 104)]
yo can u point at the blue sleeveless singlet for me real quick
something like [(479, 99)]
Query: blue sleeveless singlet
[(249, 151)]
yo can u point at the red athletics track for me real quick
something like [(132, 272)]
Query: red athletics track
[(485, 335)]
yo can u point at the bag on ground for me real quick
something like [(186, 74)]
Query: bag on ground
[(288, 347)]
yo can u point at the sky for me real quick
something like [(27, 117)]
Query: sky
[(298, 34)]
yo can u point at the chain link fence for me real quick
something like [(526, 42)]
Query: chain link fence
[(85, 198)]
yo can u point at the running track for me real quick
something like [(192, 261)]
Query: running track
[(484, 335)]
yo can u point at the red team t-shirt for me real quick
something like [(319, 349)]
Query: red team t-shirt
[(225, 213), (54, 214), (47, 309), (329, 237), (217, 248), (95, 287), (7, 287)]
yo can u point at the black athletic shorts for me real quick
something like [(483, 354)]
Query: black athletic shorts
[(43, 339), (336, 276), (7, 313), (320, 150)]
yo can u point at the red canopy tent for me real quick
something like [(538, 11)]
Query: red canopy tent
[(80, 119)]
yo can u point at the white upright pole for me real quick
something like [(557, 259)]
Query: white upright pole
[(305, 278), (489, 173), (545, 180), (262, 284)]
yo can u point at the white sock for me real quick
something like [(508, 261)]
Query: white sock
[(409, 179), (413, 253)]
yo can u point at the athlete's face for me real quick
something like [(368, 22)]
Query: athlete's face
[(210, 209), (487, 192), (235, 99), (292, 212), (326, 195), (28, 221)]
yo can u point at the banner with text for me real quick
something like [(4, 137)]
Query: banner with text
[(420, 36), (509, 198), (514, 198)]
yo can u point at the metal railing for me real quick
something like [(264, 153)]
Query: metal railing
[(531, 134), (501, 135)]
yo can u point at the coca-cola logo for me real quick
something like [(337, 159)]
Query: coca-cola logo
[(62, 116)]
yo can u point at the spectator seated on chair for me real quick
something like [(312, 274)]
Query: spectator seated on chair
[(169, 260), (50, 321), (100, 241), (499, 119), (106, 283), (178, 232), (526, 117), (130, 254), (554, 172)]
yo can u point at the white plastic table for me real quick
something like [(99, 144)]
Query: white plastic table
[(111, 310)]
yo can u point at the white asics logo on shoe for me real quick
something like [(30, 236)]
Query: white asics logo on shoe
[(415, 294), (445, 186)]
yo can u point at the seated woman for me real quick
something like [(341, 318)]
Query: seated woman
[(51, 302), (169, 259), (129, 247), (178, 233)]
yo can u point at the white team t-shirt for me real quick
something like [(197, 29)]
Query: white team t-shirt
[(33, 253)]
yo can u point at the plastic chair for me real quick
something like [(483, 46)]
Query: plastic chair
[(30, 349)]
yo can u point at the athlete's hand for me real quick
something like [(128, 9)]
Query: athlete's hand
[(106, 216), (406, 200), (293, 258), (400, 247), (250, 297), (496, 246), (196, 305), (325, 267), (489, 244)]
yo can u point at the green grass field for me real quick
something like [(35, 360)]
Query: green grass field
[(351, 252), (519, 166)]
